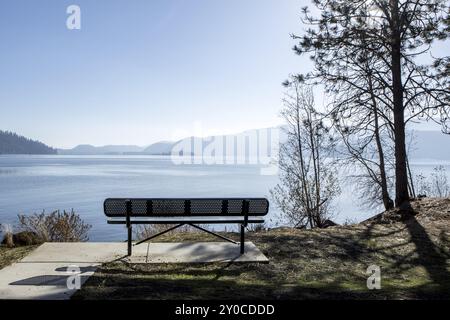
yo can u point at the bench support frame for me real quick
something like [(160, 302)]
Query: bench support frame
[(130, 244), (213, 233), (245, 208), (180, 225), (160, 233)]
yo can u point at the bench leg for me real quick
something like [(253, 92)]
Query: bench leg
[(213, 233), (242, 238), (129, 241)]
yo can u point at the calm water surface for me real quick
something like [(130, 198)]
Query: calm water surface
[(31, 184)]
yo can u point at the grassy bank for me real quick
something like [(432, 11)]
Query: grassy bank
[(414, 256), (11, 255)]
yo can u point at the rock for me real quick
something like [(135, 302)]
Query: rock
[(23, 238), (8, 240), (328, 223)]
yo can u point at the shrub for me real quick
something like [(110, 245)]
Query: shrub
[(26, 238), (56, 226), (256, 227)]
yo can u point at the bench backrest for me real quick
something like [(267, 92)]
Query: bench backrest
[(163, 207)]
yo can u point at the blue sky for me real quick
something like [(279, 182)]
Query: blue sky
[(142, 71)]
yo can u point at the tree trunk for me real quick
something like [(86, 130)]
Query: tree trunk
[(411, 180), (387, 202), (314, 152), (302, 164), (401, 173)]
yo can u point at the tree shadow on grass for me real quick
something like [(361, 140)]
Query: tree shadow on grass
[(327, 264), (139, 288), (399, 249), (429, 255)]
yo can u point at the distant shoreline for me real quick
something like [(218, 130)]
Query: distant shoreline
[(413, 160)]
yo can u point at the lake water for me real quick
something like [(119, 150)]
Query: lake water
[(31, 184)]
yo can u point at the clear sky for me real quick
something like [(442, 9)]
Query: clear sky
[(142, 71)]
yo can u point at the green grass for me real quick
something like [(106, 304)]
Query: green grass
[(11, 255), (414, 257)]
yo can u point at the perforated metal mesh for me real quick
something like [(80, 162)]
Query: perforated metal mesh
[(138, 207), (257, 207), (168, 207), (206, 206), (182, 207), (115, 207), (234, 207)]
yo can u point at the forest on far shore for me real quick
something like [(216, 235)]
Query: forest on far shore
[(12, 143)]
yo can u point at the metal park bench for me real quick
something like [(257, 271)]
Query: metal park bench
[(193, 212)]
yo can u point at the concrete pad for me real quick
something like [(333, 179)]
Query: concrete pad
[(43, 274), (41, 281), (196, 252), (153, 252), (81, 252)]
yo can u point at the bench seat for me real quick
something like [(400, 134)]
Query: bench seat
[(185, 219)]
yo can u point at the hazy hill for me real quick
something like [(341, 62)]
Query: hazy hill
[(162, 147), (87, 149), (11, 143), (159, 148), (426, 145)]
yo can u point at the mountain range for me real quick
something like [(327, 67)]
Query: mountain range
[(426, 145), (158, 148), (87, 149)]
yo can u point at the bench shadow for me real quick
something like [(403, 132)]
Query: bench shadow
[(54, 280), (200, 252), (46, 280), (82, 269), (204, 253)]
